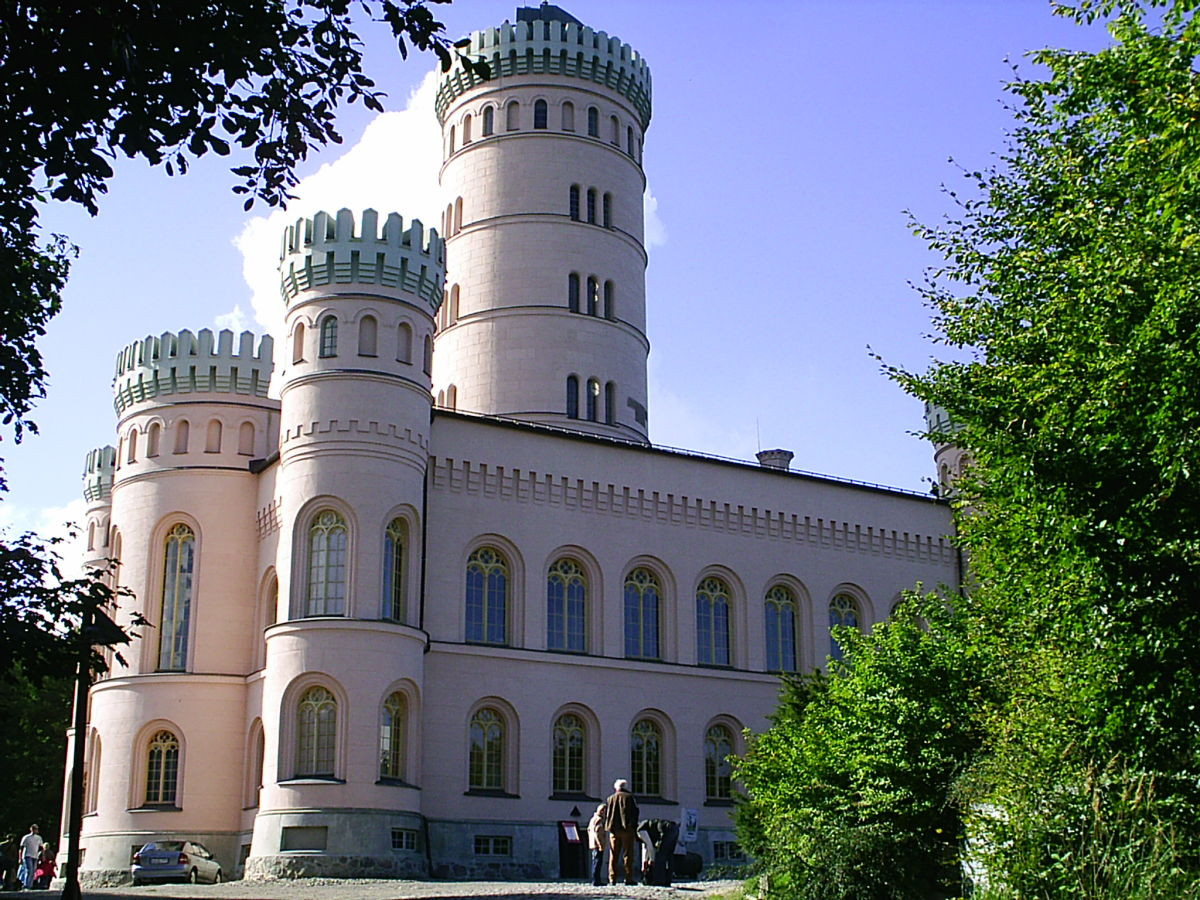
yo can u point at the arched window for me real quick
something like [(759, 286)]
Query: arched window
[(591, 206), (568, 116), (467, 129), (712, 622), (843, 610), (606, 211), (368, 335), (131, 446), (486, 763), (512, 116), (629, 140), (780, 607), (458, 214), (392, 724), (91, 543), (178, 566), (404, 343), (593, 296), (575, 202), (718, 746), (162, 769), (572, 397), (610, 403), (246, 439), (153, 439), (570, 739), (257, 761), (327, 537), (328, 336), (298, 343), (452, 311), (566, 607), (212, 442), (91, 771), (395, 537), (616, 131), (451, 150), (448, 220), (645, 758), (427, 355), (487, 597), (593, 115), (593, 400), (316, 738), (641, 614), (452, 397), (489, 121), (539, 113), (182, 431), (610, 300), (573, 292)]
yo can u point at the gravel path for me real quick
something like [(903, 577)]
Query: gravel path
[(387, 889)]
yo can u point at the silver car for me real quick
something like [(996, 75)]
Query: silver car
[(175, 861)]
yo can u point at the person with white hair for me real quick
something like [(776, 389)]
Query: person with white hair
[(597, 843), (621, 821)]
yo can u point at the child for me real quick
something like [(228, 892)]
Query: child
[(44, 873)]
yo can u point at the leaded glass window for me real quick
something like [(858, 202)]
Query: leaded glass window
[(487, 597), (162, 769), (645, 758), (391, 737), (570, 739), (718, 745), (780, 608), (329, 336), (327, 538), (566, 607), (486, 763), (178, 569), (393, 569), (843, 611), (712, 622), (641, 614), (316, 740)]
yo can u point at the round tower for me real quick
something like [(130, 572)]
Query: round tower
[(545, 318), (193, 414), (344, 658), (948, 458), (98, 471)]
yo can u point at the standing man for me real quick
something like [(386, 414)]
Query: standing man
[(597, 842), (31, 849), (621, 821)]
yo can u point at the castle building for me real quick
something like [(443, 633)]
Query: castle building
[(423, 607)]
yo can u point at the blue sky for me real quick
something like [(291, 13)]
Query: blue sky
[(787, 141)]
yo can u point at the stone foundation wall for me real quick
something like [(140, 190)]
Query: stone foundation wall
[(320, 865)]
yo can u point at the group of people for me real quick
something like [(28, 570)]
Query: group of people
[(615, 827), (28, 863)]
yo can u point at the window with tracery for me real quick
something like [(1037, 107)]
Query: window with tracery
[(645, 758), (843, 611), (392, 724), (394, 538), (327, 541), (178, 570), (570, 739), (641, 614), (486, 762), (316, 739), (329, 336), (487, 597), (566, 607), (712, 622), (718, 746), (780, 610), (162, 769)]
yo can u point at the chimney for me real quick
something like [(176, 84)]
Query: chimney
[(775, 459)]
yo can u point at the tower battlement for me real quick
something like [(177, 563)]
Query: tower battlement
[(329, 251), (187, 363), (99, 469), (551, 47)]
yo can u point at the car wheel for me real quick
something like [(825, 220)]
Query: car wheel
[(192, 879), (217, 877)]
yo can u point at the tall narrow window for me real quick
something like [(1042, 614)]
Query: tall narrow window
[(539, 113), (843, 610), (641, 614), (162, 769), (316, 740), (629, 140), (326, 565), (593, 400), (487, 597), (616, 131), (573, 292), (489, 121), (780, 609), (394, 539), (298, 343), (259, 759), (246, 439), (575, 202), (607, 211), (329, 336), (91, 771), (452, 144), (452, 310), (212, 443), (593, 115), (568, 116), (131, 445), (593, 296), (512, 116), (572, 397), (466, 129), (569, 745), (178, 567), (182, 433), (591, 206), (610, 300), (427, 355), (645, 758), (486, 763), (458, 214), (368, 336), (404, 343), (712, 622), (718, 746), (392, 724), (566, 607), (610, 403)]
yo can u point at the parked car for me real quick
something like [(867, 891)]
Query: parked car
[(175, 861)]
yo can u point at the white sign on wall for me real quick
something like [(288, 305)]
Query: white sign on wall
[(689, 825)]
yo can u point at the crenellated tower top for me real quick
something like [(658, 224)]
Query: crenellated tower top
[(187, 363), (553, 44), (330, 254), (98, 471)]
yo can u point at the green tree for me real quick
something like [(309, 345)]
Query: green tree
[(1070, 282), (850, 792)]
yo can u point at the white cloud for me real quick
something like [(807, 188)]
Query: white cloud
[(656, 230), (52, 522), (392, 168), (675, 422), (235, 320)]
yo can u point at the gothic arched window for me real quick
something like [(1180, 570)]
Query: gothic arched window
[(162, 769), (487, 597), (566, 607), (394, 539), (316, 737), (712, 622), (327, 539), (178, 568), (645, 758), (780, 610), (392, 739), (486, 762), (329, 336), (843, 610), (718, 745), (570, 743), (641, 614)]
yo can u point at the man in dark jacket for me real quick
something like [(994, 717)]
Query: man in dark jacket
[(621, 821)]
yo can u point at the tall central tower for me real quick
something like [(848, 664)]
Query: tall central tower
[(545, 312)]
